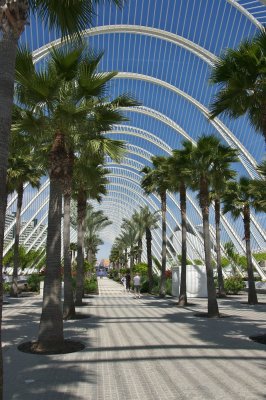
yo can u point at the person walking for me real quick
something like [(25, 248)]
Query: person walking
[(128, 280), (136, 282), (124, 283)]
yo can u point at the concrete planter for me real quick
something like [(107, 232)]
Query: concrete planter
[(196, 281)]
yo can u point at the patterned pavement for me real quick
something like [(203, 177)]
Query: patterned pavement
[(140, 349)]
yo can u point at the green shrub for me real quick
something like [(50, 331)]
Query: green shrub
[(168, 287), (197, 261), (259, 256), (113, 274), (6, 287), (141, 268), (34, 282), (188, 262), (90, 286), (144, 286), (233, 285)]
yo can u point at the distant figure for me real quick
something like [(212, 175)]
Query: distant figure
[(136, 282), (124, 282), (128, 279)]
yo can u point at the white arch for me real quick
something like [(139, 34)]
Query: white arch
[(219, 126), (224, 220), (122, 129)]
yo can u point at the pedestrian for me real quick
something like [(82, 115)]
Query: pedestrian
[(128, 280), (136, 282), (124, 282)]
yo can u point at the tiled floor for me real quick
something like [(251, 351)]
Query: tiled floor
[(144, 349)]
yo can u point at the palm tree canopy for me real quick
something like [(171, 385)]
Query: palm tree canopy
[(90, 179), (180, 166), (68, 95), (237, 196), (68, 17), (258, 188), (156, 178), (150, 218), (241, 76), (211, 159)]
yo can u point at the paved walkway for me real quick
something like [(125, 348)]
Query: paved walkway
[(143, 349)]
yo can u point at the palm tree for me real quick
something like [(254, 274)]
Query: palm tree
[(258, 188), (155, 181), (73, 110), (241, 75), (237, 200), (150, 220), (128, 238), (221, 174), (203, 161), (180, 179), (89, 183), (138, 220), (95, 222), (23, 168)]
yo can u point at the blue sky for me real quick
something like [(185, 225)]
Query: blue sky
[(211, 24)]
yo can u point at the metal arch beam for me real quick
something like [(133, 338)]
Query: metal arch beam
[(223, 218), (199, 51), (156, 232), (43, 187), (163, 146), (44, 203), (177, 223), (228, 226), (136, 182), (219, 126), (247, 14), (130, 162), (143, 134), (114, 201), (149, 200), (176, 204)]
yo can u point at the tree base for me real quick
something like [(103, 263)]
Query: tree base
[(68, 346), (259, 339), (206, 315), (221, 296), (77, 316)]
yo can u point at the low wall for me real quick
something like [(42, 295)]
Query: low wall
[(196, 281)]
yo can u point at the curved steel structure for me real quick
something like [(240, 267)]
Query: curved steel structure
[(163, 55)]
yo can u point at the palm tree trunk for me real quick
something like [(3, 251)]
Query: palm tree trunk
[(69, 305), (51, 335), (217, 207), (3, 205), (80, 248), (139, 250), (90, 256), (51, 324), (252, 295), (163, 277), (14, 286), (8, 49), (149, 258), (131, 263), (213, 310), (183, 284), (126, 265)]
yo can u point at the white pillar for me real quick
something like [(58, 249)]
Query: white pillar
[(175, 281)]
